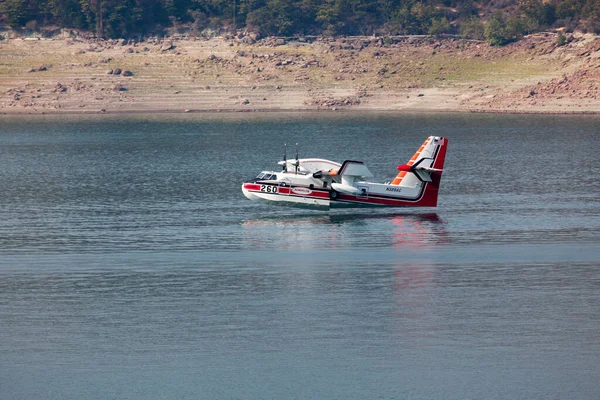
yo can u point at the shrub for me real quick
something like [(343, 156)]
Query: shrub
[(31, 26), (472, 28), (515, 28), (439, 26), (272, 19), (494, 31)]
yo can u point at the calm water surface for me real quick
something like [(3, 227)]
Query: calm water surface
[(132, 267)]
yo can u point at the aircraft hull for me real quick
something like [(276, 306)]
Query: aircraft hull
[(302, 197), (281, 196)]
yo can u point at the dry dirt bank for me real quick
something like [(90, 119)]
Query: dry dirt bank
[(412, 74)]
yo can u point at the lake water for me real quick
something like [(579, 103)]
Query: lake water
[(132, 267)]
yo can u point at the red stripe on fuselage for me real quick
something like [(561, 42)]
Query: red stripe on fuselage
[(286, 190), (251, 186), (318, 194)]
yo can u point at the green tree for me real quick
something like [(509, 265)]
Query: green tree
[(466, 8), (66, 13), (423, 14), (414, 17), (274, 18), (472, 28), (403, 20), (515, 28), (223, 10), (439, 26), (115, 18), (94, 11), (591, 16), (19, 12), (350, 17), (494, 31), (118, 18), (178, 10)]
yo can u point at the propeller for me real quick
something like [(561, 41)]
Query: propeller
[(297, 160), (284, 157)]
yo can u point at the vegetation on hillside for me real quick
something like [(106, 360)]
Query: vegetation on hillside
[(497, 21)]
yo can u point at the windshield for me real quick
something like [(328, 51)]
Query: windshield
[(267, 176)]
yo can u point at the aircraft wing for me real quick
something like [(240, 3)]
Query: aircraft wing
[(355, 169)]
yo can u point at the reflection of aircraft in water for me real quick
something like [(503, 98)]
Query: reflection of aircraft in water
[(329, 219), (365, 230), (323, 184)]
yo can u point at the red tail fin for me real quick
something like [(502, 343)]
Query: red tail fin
[(430, 196)]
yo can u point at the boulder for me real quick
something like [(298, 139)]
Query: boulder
[(167, 46), (60, 88)]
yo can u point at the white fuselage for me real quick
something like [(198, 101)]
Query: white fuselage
[(302, 189), (319, 183)]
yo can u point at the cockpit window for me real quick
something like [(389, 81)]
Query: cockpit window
[(266, 176)]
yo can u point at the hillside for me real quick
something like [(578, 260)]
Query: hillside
[(363, 73)]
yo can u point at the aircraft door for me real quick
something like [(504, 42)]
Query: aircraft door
[(285, 186)]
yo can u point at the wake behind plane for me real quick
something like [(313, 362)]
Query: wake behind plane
[(323, 184)]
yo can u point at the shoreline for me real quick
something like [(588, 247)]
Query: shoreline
[(291, 111), (17, 113)]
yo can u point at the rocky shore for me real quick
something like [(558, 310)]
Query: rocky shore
[(246, 73)]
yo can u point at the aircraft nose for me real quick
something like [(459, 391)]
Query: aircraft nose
[(246, 187)]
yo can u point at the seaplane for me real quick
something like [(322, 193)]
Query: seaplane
[(316, 183)]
